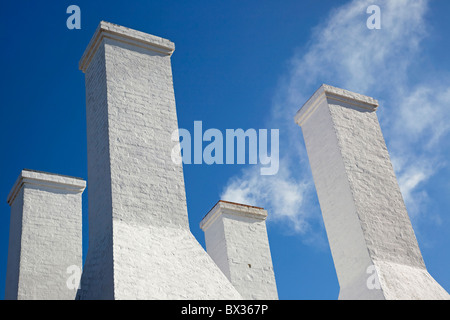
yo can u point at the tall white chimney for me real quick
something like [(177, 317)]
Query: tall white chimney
[(372, 241), (140, 244)]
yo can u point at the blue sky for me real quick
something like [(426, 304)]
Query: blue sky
[(247, 65)]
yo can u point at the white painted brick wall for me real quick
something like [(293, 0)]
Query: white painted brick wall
[(140, 244), (141, 119), (45, 236), (362, 206), (97, 278), (236, 239), (15, 239)]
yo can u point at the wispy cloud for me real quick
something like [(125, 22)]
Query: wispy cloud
[(343, 52), (281, 194)]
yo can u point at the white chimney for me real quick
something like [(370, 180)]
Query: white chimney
[(236, 239), (45, 237), (372, 241), (140, 244)]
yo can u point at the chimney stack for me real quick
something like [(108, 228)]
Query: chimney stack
[(45, 237), (140, 244), (372, 241), (236, 239)]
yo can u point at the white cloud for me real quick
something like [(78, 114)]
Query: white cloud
[(410, 179), (344, 53), (281, 195), (422, 115)]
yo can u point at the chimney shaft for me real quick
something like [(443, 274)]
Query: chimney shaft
[(45, 239), (140, 244), (236, 239), (366, 220)]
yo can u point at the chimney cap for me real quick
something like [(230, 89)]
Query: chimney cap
[(46, 179), (125, 35), (333, 94), (233, 208)]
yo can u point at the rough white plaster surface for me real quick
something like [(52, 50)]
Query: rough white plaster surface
[(45, 236), (140, 245), (165, 263), (364, 213), (236, 239)]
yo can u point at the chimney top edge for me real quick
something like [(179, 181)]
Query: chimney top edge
[(46, 179), (337, 94), (125, 35), (232, 208)]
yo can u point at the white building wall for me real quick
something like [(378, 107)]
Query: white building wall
[(97, 277), (15, 240), (45, 236), (216, 245)]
